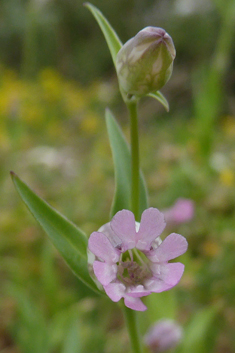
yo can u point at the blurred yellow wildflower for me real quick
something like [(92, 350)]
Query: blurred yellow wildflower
[(90, 123), (52, 85), (4, 138), (229, 126), (74, 98), (227, 177), (211, 248), (47, 104), (9, 93), (55, 129)]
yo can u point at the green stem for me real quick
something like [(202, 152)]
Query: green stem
[(131, 322), (130, 315), (135, 169)]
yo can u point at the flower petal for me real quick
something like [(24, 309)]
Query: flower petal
[(115, 291), (165, 276), (156, 285), (182, 211), (151, 226), (164, 335), (107, 230), (137, 291), (173, 246), (134, 303), (123, 225), (105, 272), (100, 245)]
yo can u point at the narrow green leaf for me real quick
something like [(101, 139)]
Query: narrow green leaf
[(109, 33), (122, 165), (196, 333), (30, 332), (161, 98), (72, 342), (69, 240), (49, 276)]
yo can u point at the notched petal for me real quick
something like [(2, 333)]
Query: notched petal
[(123, 225), (104, 272), (137, 291), (169, 273), (157, 285), (152, 225), (173, 246), (134, 303), (114, 239), (115, 291), (100, 245)]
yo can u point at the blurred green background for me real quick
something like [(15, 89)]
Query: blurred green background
[(56, 79)]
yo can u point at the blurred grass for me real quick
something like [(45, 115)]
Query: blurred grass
[(52, 133)]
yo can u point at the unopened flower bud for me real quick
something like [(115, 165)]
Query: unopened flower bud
[(164, 335), (145, 62)]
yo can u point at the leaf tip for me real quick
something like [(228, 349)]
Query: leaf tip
[(108, 115), (88, 5), (107, 111), (13, 174)]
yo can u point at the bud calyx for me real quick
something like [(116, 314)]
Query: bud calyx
[(144, 63)]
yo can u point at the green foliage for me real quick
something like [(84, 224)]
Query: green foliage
[(67, 238), (35, 332), (122, 166), (110, 35), (115, 45), (196, 333), (208, 81), (160, 98), (32, 333), (72, 343)]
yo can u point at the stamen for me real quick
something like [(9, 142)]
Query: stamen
[(141, 260), (131, 255)]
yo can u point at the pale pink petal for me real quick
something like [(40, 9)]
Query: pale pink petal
[(173, 246), (182, 211), (138, 291), (107, 230), (156, 285), (151, 226), (169, 273), (115, 291), (105, 272), (123, 225), (134, 303), (99, 245), (164, 335)]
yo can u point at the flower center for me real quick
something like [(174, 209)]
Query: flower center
[(132, 272)]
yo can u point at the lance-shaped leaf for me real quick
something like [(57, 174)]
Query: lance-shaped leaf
[(122, 165), (32, 335), (161, 98), (197, 336), (109, 33), (69, 240)]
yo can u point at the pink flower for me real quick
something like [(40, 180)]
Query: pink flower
[(164, 335), (131, 261), (182, 211)]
